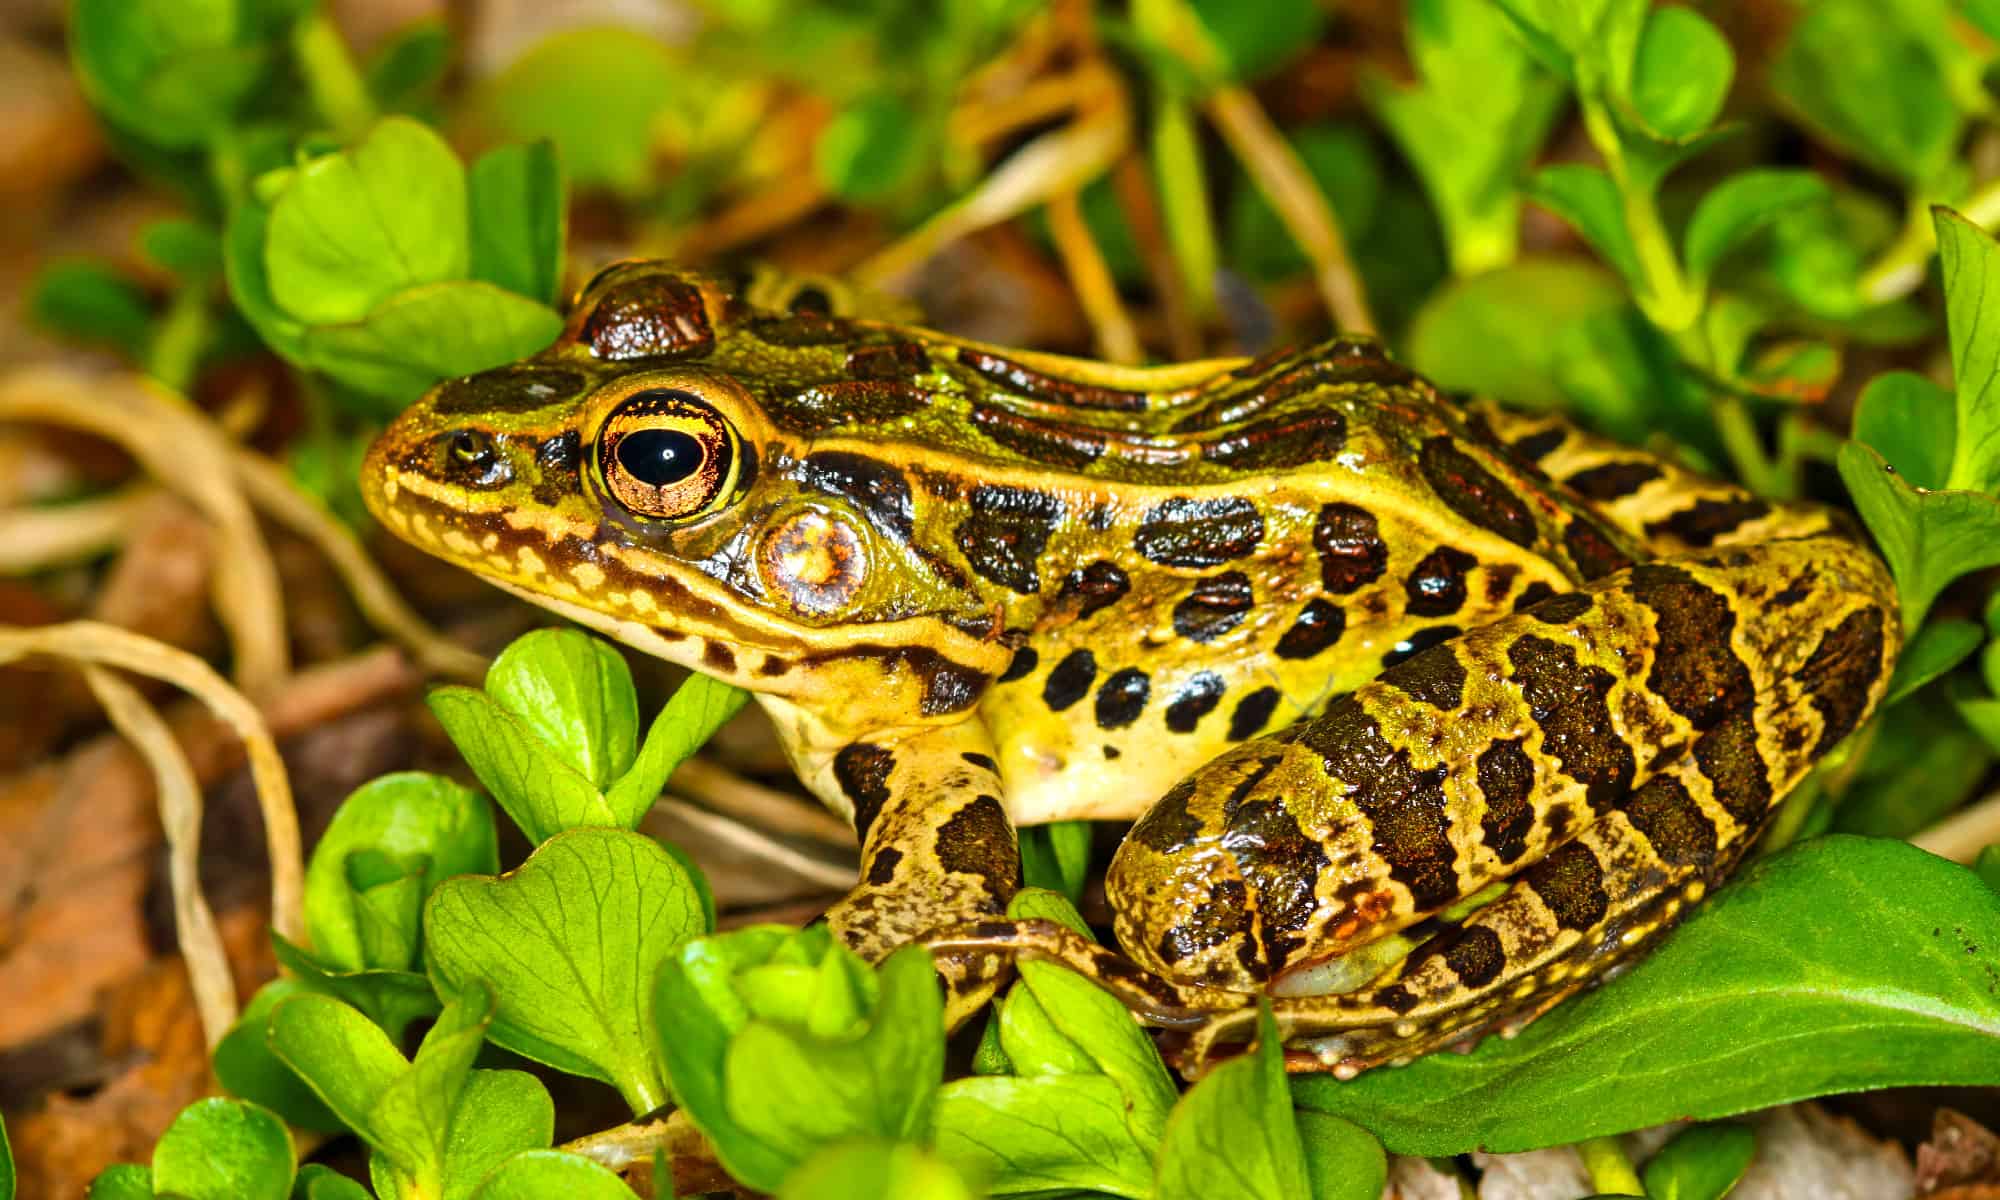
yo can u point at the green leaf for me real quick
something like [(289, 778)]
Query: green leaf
[(1471, 124), (1735, 210), (410, 64), (1044, 1133), (574, 693), (1256, 37), (536, 1174), (353, 229), (6, 1163), (1586, 198), (171, 72), (1041, 904), (1923, 763), (870, 149), (540, 792), (795, 1092), (92, 303), (1987, 866), (1870, 86), (880, 1170), (1838, 965), (1702, 1163), (1680, 73), (1489, 333), (1343, 1160), (1929, 538), (245, 1064), (1100, 1025), (1057, 857), (391, 999), (343, 1056), (518, 219), (1938, 647), (596, 93), (318, 1182), (1233, 1134), (409, 1124), (498, 1116), (424, 334), (1909, 422), (185, 248), (412, 816), (698, 708), (568, 942), (219, 1149), (122, 1181), (1970, 259)]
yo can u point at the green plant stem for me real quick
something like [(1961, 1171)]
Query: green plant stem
[(1175, 152), (1611, 1173), (180, 337), (1738, 431), (336, 85), (1900, 269), (1668, 301)]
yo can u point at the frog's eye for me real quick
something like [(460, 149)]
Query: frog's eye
[(666, 454)]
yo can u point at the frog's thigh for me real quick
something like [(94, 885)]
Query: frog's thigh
[(937, 847)]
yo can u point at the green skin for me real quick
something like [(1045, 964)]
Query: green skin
[(1348, 652)]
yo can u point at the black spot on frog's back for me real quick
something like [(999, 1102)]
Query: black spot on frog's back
[(1352, 553), (1614, 480), (1213, 607), (1571, 882), (1006, 532), (1280, 442), (1435, 677), (1702, 522), (1567, 699), (1199, 532), (1122, 698), (1096, 586), (1436, 585), (1319, 625), (1694, 670), (1196, 698), (517, 389), (1069, 679), (978, 840), (1841, 671)]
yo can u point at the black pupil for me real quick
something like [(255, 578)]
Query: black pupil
[(658, 457)]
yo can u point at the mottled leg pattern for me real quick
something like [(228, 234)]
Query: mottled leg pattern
[(937, 851)]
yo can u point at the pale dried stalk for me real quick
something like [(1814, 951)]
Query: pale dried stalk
[(729, 832), (1091, 279), (106, 645), (180, 806), (723, 790), (381, 606), (1283, 179), (188, 454), (34, 539), (1962, 835), (1062, 160)]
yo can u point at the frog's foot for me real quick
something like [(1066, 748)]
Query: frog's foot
[(1152, 1000), (1565, 922)]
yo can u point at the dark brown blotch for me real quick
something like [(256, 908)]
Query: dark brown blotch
[(1252, 713), (1419, 641), (823, 406), (1471, 491), (882, 868), (889, 360), (1199, 532), (1215, 606), (1567, 699), (872, 486), (1694, 669), (1320, 624), (1841, 672), (517, 389), (1473, 953), (1280, 442), (1281, 866), (1351, 551), (862, 771), (1614, 480), (1021, 665), (1561, 610), (1168, 826), (983, 761), (1435, 677), (1069, 680), (1197, 698), (1035, 385), (1096, 586), (1122, 698), (978, 840), (1213, 922), (1592, 550), (1703, 522), (1006, 532), (1405, 807), (1507, 782), (1052, 442), (1728, 755), (1436, 585), (1571, 883), (1671, 820)]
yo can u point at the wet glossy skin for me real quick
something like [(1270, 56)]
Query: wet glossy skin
[(1349, 652)]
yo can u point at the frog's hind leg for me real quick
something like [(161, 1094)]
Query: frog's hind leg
[(938, 851), (1602, 898)]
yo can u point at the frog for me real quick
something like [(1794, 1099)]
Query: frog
[(1426, 713)]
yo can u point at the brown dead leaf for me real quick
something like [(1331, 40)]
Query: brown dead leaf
[(1960, 1153)]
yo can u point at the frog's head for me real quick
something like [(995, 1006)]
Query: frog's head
[(631, 477)]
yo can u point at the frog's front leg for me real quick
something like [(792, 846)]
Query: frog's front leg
[(937, 848)]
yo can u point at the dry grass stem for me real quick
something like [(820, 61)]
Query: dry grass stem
[(1091, 278), (727, 831), (1962, 835), (719, 788), (106, 645), (179, 797), (1283, 179), (35, 539)]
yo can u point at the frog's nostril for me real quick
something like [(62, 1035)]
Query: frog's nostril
[(471, 458), (469, 447)]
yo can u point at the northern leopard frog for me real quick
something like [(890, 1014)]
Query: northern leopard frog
[(1348, 652)]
